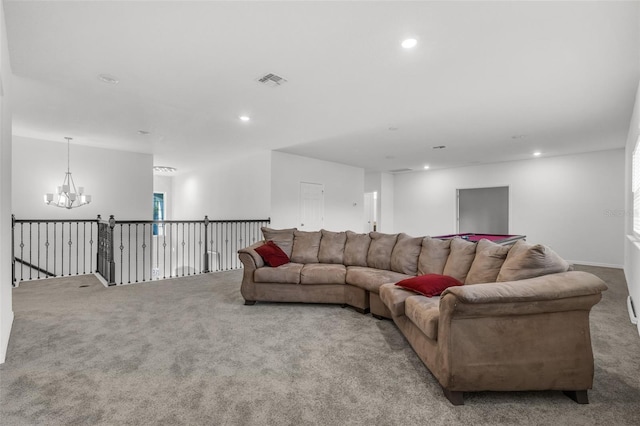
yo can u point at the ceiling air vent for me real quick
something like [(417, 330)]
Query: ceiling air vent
[(272, 80), (400, 170)]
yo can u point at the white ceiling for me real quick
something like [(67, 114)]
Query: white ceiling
[(563, 74)]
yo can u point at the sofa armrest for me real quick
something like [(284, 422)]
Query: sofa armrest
[(549, 293), (253, 260), (524, 335)]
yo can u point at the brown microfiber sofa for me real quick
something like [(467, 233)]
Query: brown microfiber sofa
[(519, 322)]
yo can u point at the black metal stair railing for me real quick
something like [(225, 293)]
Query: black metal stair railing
[(52, 248), (125, 252)]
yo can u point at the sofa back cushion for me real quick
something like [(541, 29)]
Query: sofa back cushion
[(460, 259), (380, 250), (356, 249), (332, 247), (404, 257), (487, 263), (305, 246), (529, 261), (433, 256), (283, 238)]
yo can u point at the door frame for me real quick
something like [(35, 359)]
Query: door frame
[(456, 218)]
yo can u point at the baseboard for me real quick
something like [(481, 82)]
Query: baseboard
[(101, 279), (4, 335), (632, 312), (602, 265)]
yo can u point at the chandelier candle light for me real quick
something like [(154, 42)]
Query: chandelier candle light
[(68, 196)]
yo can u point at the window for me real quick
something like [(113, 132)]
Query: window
[(158, 212), (635, 187)]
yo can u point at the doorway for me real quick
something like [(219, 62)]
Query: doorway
[(370, 211), (483, 210), (311, 206)]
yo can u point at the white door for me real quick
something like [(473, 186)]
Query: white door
[(311, 206), (370, 200)]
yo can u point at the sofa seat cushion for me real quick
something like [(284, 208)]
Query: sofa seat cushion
[(322, 273), (424, 313), (394, 298), (371, 279), (285, 274)]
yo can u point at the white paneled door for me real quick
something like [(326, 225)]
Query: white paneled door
[(311, 206)]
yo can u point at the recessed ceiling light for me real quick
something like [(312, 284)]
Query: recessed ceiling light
[(165, 169), (108, 79), (244, 118), (409, 43), (426, 167), (537, 154)]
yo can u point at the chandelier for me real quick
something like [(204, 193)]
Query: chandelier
[(67, 195)]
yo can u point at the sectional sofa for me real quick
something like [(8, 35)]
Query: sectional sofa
[(518, 318)]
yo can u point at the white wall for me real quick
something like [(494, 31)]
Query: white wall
[(120, 182), (343, 187), (231, 189), (571, 203), (632, 243), (6, 309), (387, 204)]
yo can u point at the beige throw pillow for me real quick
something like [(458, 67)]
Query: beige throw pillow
[(433, 256), (529, 261), (380, 250), (404, 257), (487, 263), (460, 259), (332, 247), (305, 246), (283, 238), (356, 249)]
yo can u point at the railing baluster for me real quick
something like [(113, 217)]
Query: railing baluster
[(38, 250), (144, 246), (30, 251), (164, 252), (21, 251), (70, 243), (91, 248), (84, 248), (46, 248), (77, 248)]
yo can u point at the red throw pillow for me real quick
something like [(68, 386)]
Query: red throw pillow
[(272, 254), (429, 284)]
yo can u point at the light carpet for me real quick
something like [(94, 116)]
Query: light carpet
[(188, 352)]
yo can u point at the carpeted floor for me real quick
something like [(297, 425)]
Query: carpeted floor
[(187, 351)]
